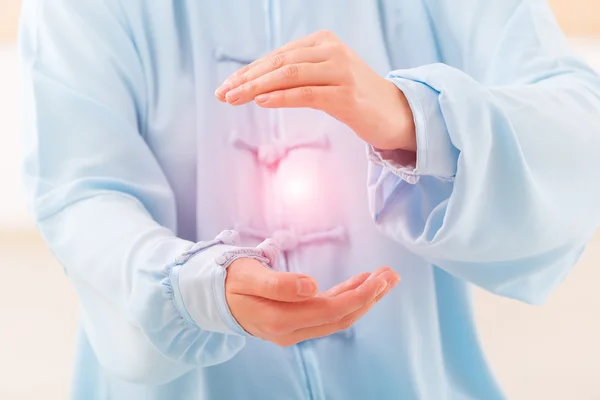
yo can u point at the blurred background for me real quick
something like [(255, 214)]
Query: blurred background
[(550, 352)]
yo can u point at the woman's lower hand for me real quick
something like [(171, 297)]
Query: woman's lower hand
[(285, 308)]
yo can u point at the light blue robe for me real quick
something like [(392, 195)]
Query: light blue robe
[(130, 160)]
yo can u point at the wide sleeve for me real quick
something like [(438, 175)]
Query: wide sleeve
[(506, 185), (153, 304)]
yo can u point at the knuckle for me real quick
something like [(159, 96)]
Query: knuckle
[(327, 34), (249, 87), (291, 71), (274, 286), (242, 79), (273, 281), (307, 94), (278, 61)]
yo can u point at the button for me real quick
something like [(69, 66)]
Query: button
[(229, 237), (287, 240), (222, 259), (271, 154), (270, 248), (267, 154)]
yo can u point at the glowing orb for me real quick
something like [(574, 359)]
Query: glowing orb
[(299, 189)]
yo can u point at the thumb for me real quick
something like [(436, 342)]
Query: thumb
[(250, 277), (283, 286)]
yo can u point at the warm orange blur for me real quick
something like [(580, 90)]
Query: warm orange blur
[(9, 12), (577, 17)]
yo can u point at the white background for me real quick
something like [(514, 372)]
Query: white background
[(550, 352)]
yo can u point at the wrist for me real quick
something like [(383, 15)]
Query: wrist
[(400, 131)]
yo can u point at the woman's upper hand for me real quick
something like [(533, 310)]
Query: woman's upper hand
[(319, 71)]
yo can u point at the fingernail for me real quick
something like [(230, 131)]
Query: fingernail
[(222, 90), (381, 288), (262, 98), (233, 95), (306, 287)]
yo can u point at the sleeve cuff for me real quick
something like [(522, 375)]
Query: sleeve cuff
[(198, 281), (436, 155)]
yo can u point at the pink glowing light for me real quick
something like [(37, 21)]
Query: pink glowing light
[(299, 189)]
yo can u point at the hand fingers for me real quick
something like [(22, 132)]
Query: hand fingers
[(352, 300), (249, 277), (353, 282), (328, 329), (289, 76), (273, 63), (325, 98), (348, 284), (323, 310), (306, 41)]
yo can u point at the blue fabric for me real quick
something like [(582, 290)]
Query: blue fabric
[(436, 155), (130, 162)]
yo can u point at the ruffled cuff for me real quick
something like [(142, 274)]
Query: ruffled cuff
[(198, 282), (436, 155)]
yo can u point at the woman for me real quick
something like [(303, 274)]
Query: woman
[(200, 230)]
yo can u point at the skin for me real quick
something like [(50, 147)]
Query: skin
[(285, 308), (317, 71)]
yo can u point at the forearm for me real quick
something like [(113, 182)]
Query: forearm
[(110, 245), (517, 194)]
